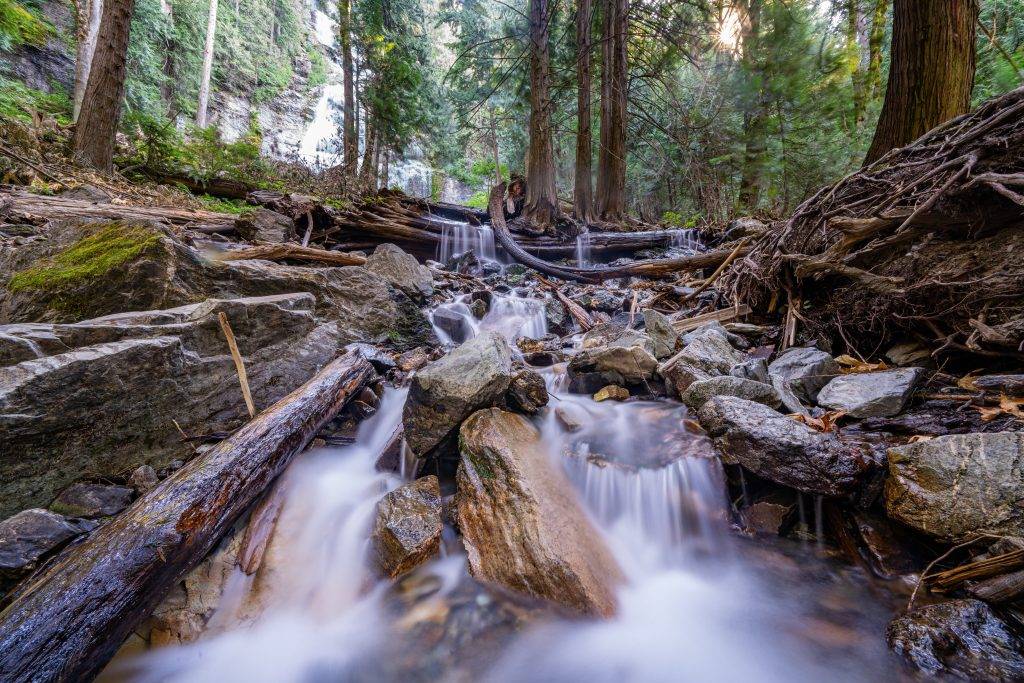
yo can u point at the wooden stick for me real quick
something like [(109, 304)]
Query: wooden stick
[(721, 315), (578, 313), (718, 271), (309, 228), (980, 569), (243, 377), (73, 616)]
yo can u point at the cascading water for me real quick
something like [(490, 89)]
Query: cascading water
[(511, 315), (457, 238), (687, 239), (583, 248), (691, 609)]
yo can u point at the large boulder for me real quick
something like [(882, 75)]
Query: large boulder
[(958, 485), (105, 396), (799, 374), (402, 270), (708, 349), (444, 393), (702, 391), (872, 394), (407, 528), (959, 639), (780, 449), (92, 500), (264, 225), (521, 523), (611, 335), (78, 272)]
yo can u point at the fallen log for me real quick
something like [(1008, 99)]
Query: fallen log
[(225, 188), (32, 208), (686, 324), (578, 313), (70, 620), (292, 252)]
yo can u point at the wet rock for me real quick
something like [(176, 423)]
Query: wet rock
[(466, 263), (27, 537), (407, 529), (755, 369), (401, 270), (744, 226), (765, 518), (702, 391), (612, 392), (522, 525), (955, 486), (873, 394), (615, 364), (478, 308), (780, 449), (887, 548), (264, 225), (736, 340), (681, 375), (527, 392), (444, 393), (664, 337), (568, 419), (558, 319), (1011, 385), (92, 500), (708, 349), (516, 274), (381, 361), (614, 335), (453, 324), (143, 479), (107, 402), (799, 374), (961, 639), (602, 300)]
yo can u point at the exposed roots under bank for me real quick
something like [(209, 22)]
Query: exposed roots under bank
[(926, 244)]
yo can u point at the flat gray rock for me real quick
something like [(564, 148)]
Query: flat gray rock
[(799, 374), (870, 394), (702, 391), (402, 270)]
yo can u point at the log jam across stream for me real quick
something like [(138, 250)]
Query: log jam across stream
[(694, 601)]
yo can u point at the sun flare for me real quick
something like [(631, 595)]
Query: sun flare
[(730, 28)]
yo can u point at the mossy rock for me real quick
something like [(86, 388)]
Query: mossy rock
[(89, 277)]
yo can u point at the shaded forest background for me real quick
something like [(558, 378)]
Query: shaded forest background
[(732, 108)]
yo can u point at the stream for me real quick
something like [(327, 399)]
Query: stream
[(700, 601)]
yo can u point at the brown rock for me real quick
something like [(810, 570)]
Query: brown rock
[(765, 518), (612, 392), (520, 521), (407, 531)]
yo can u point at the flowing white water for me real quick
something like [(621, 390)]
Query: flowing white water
[(458, 237), (583, 248), (688, 239), (511, 315), (692, 609)]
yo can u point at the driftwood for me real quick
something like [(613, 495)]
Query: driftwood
[(974, 571), (687, 324), (578, 313), (292, 252), (925, 242), (69, 620)]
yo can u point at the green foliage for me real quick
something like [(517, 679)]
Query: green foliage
[(318, 68), (18, 101), (478, 200), (87, 259), (235, 206), (19, 25)]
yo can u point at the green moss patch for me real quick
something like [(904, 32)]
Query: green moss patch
[(89, 258)]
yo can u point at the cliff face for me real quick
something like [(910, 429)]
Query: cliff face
[(283, 119)]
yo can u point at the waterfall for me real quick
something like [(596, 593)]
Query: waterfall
[(457, 238), (688, 239), (512, 316), (583, 249)]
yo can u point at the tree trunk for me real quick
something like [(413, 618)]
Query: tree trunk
[(541, 206), (853, 54), (368, 172), (755, 116), (167, 87), (494, 143), (583, 192), (873, 80), (204, 84), (101, 106), (76, 613), (611, 160), (350, 127), (89, 16), (931, 73)]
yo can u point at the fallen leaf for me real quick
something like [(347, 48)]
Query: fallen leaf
[(852, 365), (920, 437), (825, 423), (967, 382), (1007, 406)]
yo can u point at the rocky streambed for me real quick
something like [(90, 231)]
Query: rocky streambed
[(519, 493)]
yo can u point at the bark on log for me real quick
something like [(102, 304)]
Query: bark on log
[(73, 617), (224, 188), (293, 252)]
